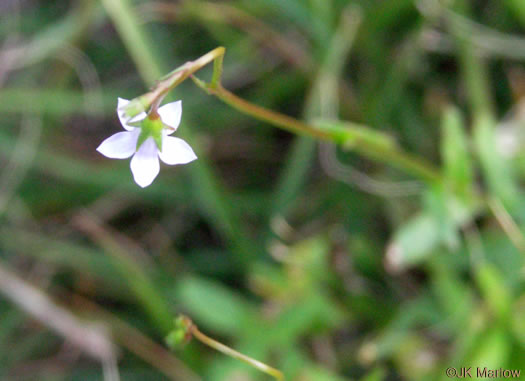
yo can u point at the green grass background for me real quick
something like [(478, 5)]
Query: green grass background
[(321, 262)]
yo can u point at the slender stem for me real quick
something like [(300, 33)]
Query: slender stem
[(278, 375), (173, 79), (217, 72), (393, 156), (272, 117)]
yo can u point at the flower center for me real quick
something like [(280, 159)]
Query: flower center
[(152, 127)]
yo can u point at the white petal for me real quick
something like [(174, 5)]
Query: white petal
[(138, 117), (121, 145), (122, 103), (145, 164), (171, 114), (124, 119), (176, 151)]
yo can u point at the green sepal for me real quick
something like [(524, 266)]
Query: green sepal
[(136, 106), (137, 123), (180, 334), (151, 128), (142, 138), (158, 141), (175, 339)]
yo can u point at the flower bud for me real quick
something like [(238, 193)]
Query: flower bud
[(135, 107), (181, 333)]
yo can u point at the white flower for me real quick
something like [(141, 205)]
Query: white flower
[(145, 162)]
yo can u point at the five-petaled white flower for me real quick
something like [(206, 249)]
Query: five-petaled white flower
[(148, 142)]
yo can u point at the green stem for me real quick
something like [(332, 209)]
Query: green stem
[(217, 71), (278, 375), (280, 120), (173, 79), (393, 156)]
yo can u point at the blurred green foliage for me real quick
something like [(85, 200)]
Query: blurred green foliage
[(323, 263)]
